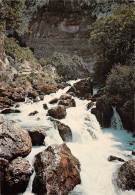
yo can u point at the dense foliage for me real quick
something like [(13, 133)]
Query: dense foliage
[(20, 54), (12, 17), (112, 40), (121, 85)]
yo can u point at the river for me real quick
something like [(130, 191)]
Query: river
[(91, 144)]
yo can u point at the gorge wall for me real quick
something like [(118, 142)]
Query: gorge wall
[(64, 25)]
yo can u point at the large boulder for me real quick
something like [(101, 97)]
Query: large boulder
[(64, 130), (14, 141), (57, 171), (58, 112), (82, 89), (103, 112), (37, 136), (126, 176), (17, 176)]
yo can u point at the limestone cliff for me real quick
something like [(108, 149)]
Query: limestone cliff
[(64, 25)]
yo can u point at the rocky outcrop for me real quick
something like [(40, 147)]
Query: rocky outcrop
[(10, 96), (57, 171), (58, 112), (127, 119), (37, 136), (82, 89), (17, 176), (14, 140), (64, 130), (126, 176), (103, 112)]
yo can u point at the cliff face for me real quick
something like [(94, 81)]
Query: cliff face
[(64, 25)]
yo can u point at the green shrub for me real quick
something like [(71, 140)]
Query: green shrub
[(42, 61), (121, 83), (20, 54)]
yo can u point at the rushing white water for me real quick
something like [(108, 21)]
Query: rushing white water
[(91, 144)]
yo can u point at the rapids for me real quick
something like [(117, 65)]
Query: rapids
[(91, 144)]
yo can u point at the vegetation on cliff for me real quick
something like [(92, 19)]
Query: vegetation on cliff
[(112, 41), (112, 46), (12, 20)]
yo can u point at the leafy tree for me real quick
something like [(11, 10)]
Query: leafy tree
[(112, 40), (120, 84)]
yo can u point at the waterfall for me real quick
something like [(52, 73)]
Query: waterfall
[(91, 144), (116, 120)]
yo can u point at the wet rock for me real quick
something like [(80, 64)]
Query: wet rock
[(64, 130), (17, 176), (103, 112), (113, 158), (126, 176), (82, 89), (9, 110), (95, 97), (127, 119), (45, 106), (37, 136), (5, 102), (58, 112), (17, 106), (18, 96), (33, 113), (57, 171), (68, 103), (14, 140), (62, 85), (89, 105), (32, 94), (133, 152), (94, 111), (54, 101), (65, 97), (41, 97)]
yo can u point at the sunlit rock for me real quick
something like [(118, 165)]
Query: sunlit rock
[(58, 112), (57, 171), (14, 140), (64, 130), (17, 176), (82, 89)]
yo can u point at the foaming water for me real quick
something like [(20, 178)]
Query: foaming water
[(91, 144)]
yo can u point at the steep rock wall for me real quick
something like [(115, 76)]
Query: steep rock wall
[(64, 25)]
